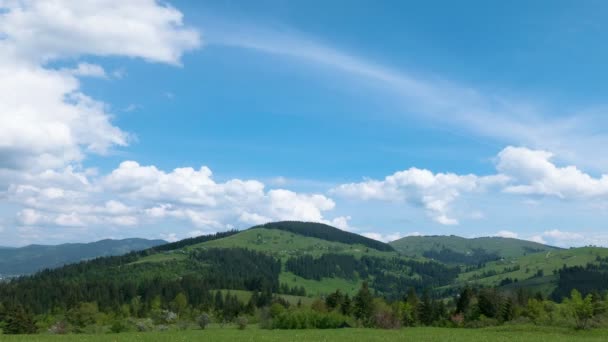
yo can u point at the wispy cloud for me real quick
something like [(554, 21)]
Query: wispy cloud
[(456, 105)]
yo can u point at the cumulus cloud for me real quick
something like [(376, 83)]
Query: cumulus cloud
[(384, 237), (532, 173), (47, 30), (561, 238), (507, 234), (88, 70), (133, 195), (434, 192), (520, 171), (46, 121)]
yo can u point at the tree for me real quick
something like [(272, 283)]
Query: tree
[(425, 309), (489, 303), (346, 308), (364, 304), (180, 303), (464, 300), (334, 300), (580, 308), (18, 321), (507, 311), (82, 315)]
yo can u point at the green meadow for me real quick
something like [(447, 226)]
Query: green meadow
[(504, 333)]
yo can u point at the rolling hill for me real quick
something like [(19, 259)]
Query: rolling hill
[(455, 249), (301, 259), (536, 272), (33, 258)]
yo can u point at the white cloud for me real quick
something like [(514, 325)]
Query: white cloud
[(561, 238), (29, 217), (434, 192), (532, 173), (507, 234), (88, 70), (46, 121), (382, 237), (44, 30), (538, 239), (170, 237)]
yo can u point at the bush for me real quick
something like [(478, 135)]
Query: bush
[(483, 322), (144, 325), (242, 322), (203, 320), (59, 328), (309, 319), (119, 326)]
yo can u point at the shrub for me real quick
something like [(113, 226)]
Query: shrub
[(59, 328), (242, 322), (119, 326), (203, 320), (309, 319), (144, 325)]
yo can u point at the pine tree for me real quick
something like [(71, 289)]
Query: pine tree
[(425, 309), (364, 304), (507, 311), (18, 321)]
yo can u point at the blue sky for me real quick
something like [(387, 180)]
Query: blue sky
[(386, 119)]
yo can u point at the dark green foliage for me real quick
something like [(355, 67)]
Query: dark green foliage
[(390, 276), (328, 265), (593, 277), (364, 305), (237, 268), (489, 303), (326, 232), (103, 281), (19, 321)]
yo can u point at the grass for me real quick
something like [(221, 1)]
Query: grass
[(324, 286), (507, 248), (530, 264), (285, 244), (504, 333)]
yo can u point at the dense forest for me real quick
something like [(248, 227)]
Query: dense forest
[(586, 279), (388, 276)]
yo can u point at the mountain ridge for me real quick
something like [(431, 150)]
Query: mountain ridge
[(35, 257)]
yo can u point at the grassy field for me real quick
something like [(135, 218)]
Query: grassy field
[(505, 247), (285, 244), (505, 333), (530, 264)]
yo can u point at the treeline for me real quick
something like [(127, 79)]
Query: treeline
[(185, 303), (388, 276), (110, 288), (477, 257), (587, 279), (326, 232)]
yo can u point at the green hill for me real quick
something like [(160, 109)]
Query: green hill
[(33, 258), (455, 249), (535, 271)]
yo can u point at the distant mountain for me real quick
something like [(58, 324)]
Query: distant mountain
[(455, 249), (33, 258)]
